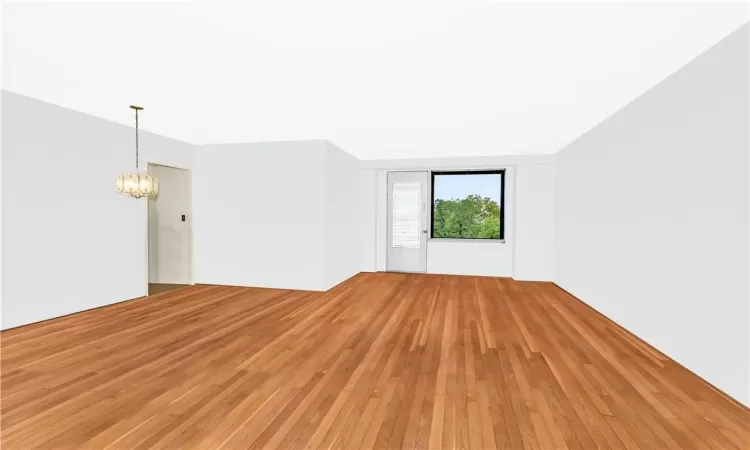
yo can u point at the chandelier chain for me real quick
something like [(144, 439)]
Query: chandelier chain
[(138, 184), (136, 140)]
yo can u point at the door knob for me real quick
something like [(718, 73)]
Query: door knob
[(424, 231)]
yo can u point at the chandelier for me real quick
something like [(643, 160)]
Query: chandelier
[(137, 184)]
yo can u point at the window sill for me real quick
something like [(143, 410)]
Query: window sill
[(485, 241)]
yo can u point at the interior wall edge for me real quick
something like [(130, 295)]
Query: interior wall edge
[(647, 344)]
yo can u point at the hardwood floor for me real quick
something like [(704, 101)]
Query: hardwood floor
[(158, 288), (381, 361)]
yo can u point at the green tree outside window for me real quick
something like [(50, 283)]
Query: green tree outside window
[(472, 217)]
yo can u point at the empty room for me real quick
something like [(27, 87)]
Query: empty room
[(375, 225)]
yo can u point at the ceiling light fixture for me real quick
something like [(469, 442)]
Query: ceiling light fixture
[(137, 184)]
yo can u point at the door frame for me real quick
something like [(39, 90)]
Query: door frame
[(388, 214), (191, 265)]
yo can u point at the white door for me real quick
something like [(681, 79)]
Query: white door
[(169, 227), (407, 222)]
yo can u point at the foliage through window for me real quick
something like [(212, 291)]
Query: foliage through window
[(468, 204)]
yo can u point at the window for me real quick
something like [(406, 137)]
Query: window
[(468, 204)]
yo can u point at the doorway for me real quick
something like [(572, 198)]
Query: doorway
[(407, 222), (169, 230)]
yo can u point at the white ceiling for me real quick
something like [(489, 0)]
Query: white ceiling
[(379, 80)]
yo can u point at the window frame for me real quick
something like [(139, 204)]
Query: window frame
[(500, 172)]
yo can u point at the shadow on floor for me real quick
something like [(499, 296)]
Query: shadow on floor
[(157, 288)]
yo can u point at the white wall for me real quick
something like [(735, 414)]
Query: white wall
[(652, 216), (493, 259), (535, 214), (481, 257), (343, 256), (258, 214), (70, 241), (368, 181)]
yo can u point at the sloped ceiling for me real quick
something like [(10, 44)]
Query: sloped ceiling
[(386, 80)]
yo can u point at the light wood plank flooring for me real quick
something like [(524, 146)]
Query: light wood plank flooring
[(381, 361)]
